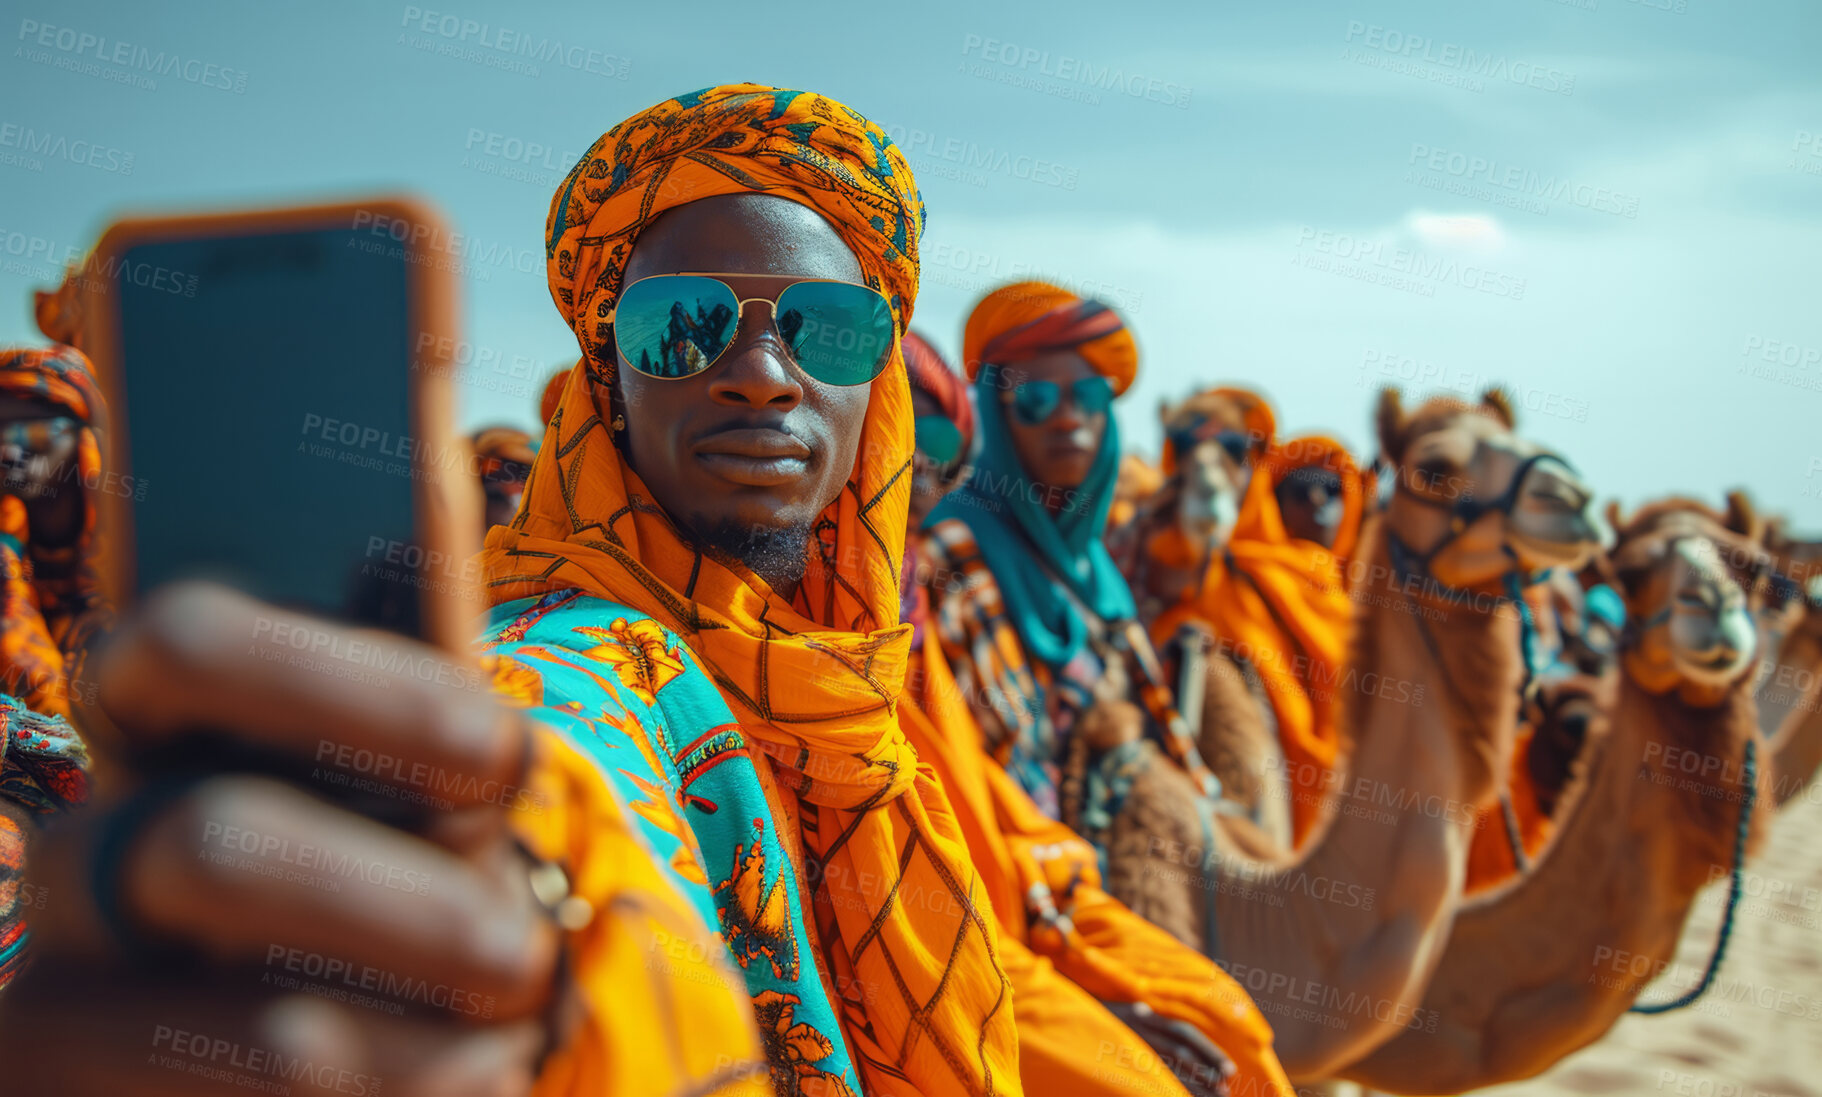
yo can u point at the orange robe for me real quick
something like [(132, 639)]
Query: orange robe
[(1061, 968), (1281, 604)]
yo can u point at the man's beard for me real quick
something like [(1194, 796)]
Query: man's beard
[(777, 555)]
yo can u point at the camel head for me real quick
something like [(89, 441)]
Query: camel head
[(1473, 496), (1214, 439), (1794, 600), (1693, 584)]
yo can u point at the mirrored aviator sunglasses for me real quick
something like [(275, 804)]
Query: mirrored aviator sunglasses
[(1035, 401), (677, 325)]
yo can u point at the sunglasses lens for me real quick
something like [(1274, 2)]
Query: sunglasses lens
[(674, 325), (1094, 395), (838, 332), (938, 439), (1235, 443), (1035, 401)]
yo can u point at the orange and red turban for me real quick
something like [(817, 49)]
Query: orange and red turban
[(930, 375), (1026, 319)]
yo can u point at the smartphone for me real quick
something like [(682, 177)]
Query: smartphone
[(281, 411)]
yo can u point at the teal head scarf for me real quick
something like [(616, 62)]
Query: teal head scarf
[(1029, 548)]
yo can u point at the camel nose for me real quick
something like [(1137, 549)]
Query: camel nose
[(1556, 484), (1714, 634), (1556, 523)]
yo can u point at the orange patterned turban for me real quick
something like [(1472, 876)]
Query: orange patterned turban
[(734, 139)]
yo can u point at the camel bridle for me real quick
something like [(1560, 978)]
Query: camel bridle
[(1464, 511), (1634, 632), (1407, 563)]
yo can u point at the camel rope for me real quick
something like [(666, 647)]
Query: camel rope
[(1750, 774)]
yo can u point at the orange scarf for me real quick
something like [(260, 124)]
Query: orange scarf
[(1281, 603), (1069, 945), (904, 919)]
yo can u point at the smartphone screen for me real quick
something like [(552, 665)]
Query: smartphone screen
[(268, 380)]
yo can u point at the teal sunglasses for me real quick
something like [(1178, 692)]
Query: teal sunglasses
[(672, 326), (939, 439)]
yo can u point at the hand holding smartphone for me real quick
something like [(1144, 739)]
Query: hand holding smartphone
[(264, 880)]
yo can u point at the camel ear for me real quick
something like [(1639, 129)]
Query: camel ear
[(1496, 399), (1389, 419), (1614, 520), (1777, 532), (1165, 411), (1743, 518)]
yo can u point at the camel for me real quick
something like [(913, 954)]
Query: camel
[(1200, 498), (1547, 963), (1336, 942), (1790, 690)]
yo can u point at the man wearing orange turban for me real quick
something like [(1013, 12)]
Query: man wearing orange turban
[(700, 590), (1106, 1003), (1276, 601)]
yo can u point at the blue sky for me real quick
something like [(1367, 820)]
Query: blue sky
[(1612, 206)]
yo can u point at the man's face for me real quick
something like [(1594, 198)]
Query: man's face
[(1060, 451), (38, 445), (746, 454), (1311, 509)]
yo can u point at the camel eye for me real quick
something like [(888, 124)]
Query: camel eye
[(1434, 471)]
